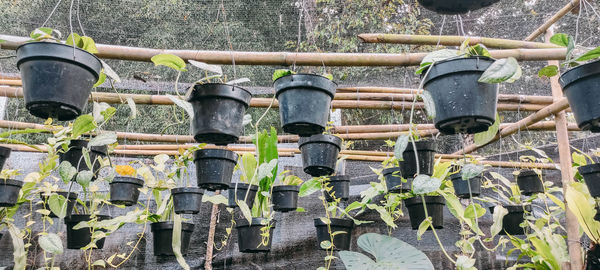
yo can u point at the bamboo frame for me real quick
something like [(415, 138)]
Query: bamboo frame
[(547, 24), (453, 41)]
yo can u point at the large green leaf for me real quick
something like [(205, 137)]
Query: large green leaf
[(560, 39), (103, 138), (500, 71), (176, 242), (485, 137), (424, 184), (282, 72), (429, 104), (169, 60), (248, 166), (19, 253), (590, 55), (57, 204), (471, 170), (548, 71), (83, 124), (497, 218), (51, 243), (400, 146), (309, 187)]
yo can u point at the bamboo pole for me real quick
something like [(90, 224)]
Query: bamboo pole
[(453, 41), (291, 58), (547, 24)]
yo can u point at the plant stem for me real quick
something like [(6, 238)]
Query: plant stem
[(434, 232)]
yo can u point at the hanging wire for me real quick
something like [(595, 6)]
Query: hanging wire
[(51, 13)]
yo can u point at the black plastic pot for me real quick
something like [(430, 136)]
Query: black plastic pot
[(238, 191), (340, 241), (581, 85), (591, 176), (529, 182), (462, 104), (75, 156), (435, 209), (214, 168), (4, 154), (218, 112), (393, 180), (285, 198), (249, 235), (162, 235), (592, 258), (461, 187), (319, 153), (340, 188), (57, 78), (125, 190), (77, 239), (70, 202), (9, 192), (455, 6), (511, 221), (187, 200), (425, 153), (304, 103)]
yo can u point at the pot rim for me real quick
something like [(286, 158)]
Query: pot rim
[(328, 89), (321, 138), (216, 154), (11, 182), (427, 145), (84, 217), (339, 178), (255, 222), (428, 200), (570, 76), (85, 59), (79, 143), (220, 90), (182, 190), (391, 170), (341, 222), (127, 180), (589, 169), (242, 186), (527, 173), (5, 151), (72, 194), (283, 188), (168, 225), (433, 75)]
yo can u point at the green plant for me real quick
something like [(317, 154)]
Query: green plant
[(290, 180), (568, 42)]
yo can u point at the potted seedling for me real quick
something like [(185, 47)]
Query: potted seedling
[(74, 150), (452, 7), (513, 208), (530, 181), (9, 188), (583, 206), (186, 198), (319, 153), (214, 168), (243, 190), (304, 101), (285, 195), (340, 188), (466, 181), (125, 187), (425, 153), (589, 170), (391, 172), (55, 200)]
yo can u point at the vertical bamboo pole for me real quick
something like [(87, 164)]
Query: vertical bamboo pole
[(564, 152), (210, 243)]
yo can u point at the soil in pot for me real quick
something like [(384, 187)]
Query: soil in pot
[(285, 198), (591, 176), (511, 221), (77, 239), (304, 102), (319, 154), (162, 235), (453, 7), (425, 154), (125, 190), (70, 202), (218, 112), (435, 209), (4, 154), (75, 156), (462, 187), (187, 200), (9, 192), (529, 182), (214, 168), (238, 191), (580, 85), (340, 185), (57, 78), (462, 104), (340, 241), (249, 235)]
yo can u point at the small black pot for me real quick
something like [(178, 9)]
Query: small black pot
[(425, 153), (9, 192), (77, 239), (187, 200), (70, 202), (435, 209), (591, 176), (75, 156), (454, 7), (340, 188), (249, 235), (462, 104), (214, 168), (393, 180), (162, 235), (592, 258), (581, 85), (340, 241), (319, 153), (530, 183), (218, 112), (238, 191), (285, 198), (125, 190), (304, 102), (4, 154), (461, 187), (511, 221), (57, 78)]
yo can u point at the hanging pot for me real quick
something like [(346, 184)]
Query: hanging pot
[(70, 202), (435, 209), (238, 191), (285, 198), (592, 259), (162, 235), (453, 7), (219, 111), (9, 192), (340, 185), (125, 190), (250, 239), (340, 241), (75, 156), (77, 239), (512, 220), (57, 78), (187, 200), (462, 104), (462, 187), (393, 180), (591, 177), (214, 168), (319, 153), (304, 102), (581, 84), (425, 154), (529, 182), (4, 154)]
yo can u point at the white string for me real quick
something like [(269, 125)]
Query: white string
[(51, 13)]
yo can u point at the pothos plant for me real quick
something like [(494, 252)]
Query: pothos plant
[(285, 72), (571, 60)]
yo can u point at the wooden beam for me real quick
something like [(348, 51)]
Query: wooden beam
[(557, 16), (453, 41)]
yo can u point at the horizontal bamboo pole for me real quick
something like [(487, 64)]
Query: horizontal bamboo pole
[(291, 58), (547, 24), (544, 125), (453, 41)]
